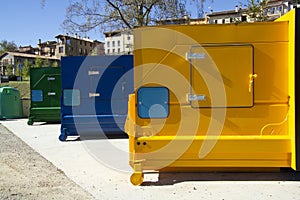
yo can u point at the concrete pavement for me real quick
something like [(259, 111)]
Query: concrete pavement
[(101, 168)]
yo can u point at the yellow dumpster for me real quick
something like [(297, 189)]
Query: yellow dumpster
[(215, 97)]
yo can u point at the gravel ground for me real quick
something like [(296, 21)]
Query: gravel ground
[(25, 174)]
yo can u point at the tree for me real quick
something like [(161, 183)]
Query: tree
[(26, 69), (85, 15), (46, 63), (38, 62), (55, 64), (7, 46), (256, 9)]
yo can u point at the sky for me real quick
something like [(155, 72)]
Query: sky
[(26, 21)]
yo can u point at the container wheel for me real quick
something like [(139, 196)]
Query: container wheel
[(63, 136), (137, 178), (30, 122)]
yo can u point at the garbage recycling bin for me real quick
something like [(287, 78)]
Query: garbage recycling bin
[(10, 101), (45, 90), (94, 95), (217, 97)]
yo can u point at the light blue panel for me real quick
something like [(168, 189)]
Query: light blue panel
[(71, 97), (36, 95), (153, 102)]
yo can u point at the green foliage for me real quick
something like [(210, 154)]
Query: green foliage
[(9, 69), (26, 70), (55, 64), (256, 9), (38, 62), (7, 46), (46, 63)]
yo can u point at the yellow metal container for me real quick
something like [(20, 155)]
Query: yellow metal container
[(215, 97)]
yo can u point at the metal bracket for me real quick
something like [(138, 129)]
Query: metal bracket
[(93, 72), (195, 56), (91, 94), (51, 78), (194, 97)]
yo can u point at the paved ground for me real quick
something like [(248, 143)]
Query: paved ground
[(101, 168)]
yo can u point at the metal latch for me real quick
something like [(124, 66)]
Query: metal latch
[(51, 93), (91, 94), (51, 79), (194, 97), (91, 72)]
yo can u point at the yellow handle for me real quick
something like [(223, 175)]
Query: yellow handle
[(251, 78)]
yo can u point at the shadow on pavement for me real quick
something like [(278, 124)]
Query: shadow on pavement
[(171, 178)]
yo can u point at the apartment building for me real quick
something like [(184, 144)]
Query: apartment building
[(119, 42), (274, 10), (67, 45)]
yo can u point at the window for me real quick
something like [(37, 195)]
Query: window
[(80, 42), (113, 50), (113, 43), (5, 61), (119, 50), (85, 43), (108, 51), (61, 49), (223, 21), (85, 52), (36, 95), (216, 21), (80, 51), (119, 43), (244, 18), (272, 10), (91, 44), (153, 102), (280, 8), (128, 37), (71, 97), (68, 41), (108, 44)]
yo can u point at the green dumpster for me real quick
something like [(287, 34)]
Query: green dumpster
[(10, 101), (45, 90)]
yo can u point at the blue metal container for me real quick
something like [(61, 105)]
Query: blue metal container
[(95, 93)]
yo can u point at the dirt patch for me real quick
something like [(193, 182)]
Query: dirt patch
[(25, 174)]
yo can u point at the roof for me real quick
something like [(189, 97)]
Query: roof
[(115, 32), (228, 12), (77, 37), (26, 55), (48, 43)]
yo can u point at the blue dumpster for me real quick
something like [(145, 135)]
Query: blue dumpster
[(95, 93)]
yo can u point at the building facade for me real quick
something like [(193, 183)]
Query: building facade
[(274, 10), (14, 60), (47, 48), (77, 46), (119, 42)]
